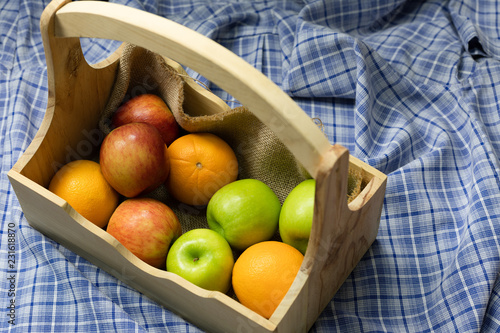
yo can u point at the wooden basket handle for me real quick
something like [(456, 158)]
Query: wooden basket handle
[(219, 65)]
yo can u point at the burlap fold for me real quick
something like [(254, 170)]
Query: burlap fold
[(261, 155)]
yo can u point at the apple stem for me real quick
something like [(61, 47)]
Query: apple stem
[(196, 259)]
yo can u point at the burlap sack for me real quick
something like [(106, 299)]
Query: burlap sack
[(261, 155)]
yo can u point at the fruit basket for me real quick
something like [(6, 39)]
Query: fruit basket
[(78, 92)]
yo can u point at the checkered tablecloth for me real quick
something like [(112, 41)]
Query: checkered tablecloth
[(409, 87)]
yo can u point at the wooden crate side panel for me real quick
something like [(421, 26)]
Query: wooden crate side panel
[(77, 94), (340, 235)]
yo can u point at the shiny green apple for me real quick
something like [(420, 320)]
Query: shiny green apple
[(204, 258), (296, 215), (244, 212)]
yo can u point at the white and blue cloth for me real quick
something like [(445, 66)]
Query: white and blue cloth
[(409, 87)]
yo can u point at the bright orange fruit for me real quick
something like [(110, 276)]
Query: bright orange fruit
[(83, 186), (200, 164), (263, 273)]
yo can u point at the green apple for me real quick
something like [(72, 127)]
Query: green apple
[(204, 258), (296, 215), (244, 212)]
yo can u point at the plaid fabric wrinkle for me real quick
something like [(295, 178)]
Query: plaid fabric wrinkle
[(410, 87)]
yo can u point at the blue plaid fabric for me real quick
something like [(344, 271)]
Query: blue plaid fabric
[(410, 87)]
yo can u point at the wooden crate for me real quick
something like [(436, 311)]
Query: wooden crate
[(341, 232)]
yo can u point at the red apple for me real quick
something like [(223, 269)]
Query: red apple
[(146, 227), (134, 159), (151, 109)]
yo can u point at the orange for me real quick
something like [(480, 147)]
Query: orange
[(200, 164), (83, 186), (263, 273)]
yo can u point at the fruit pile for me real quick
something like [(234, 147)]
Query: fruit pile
[(237, 250)]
